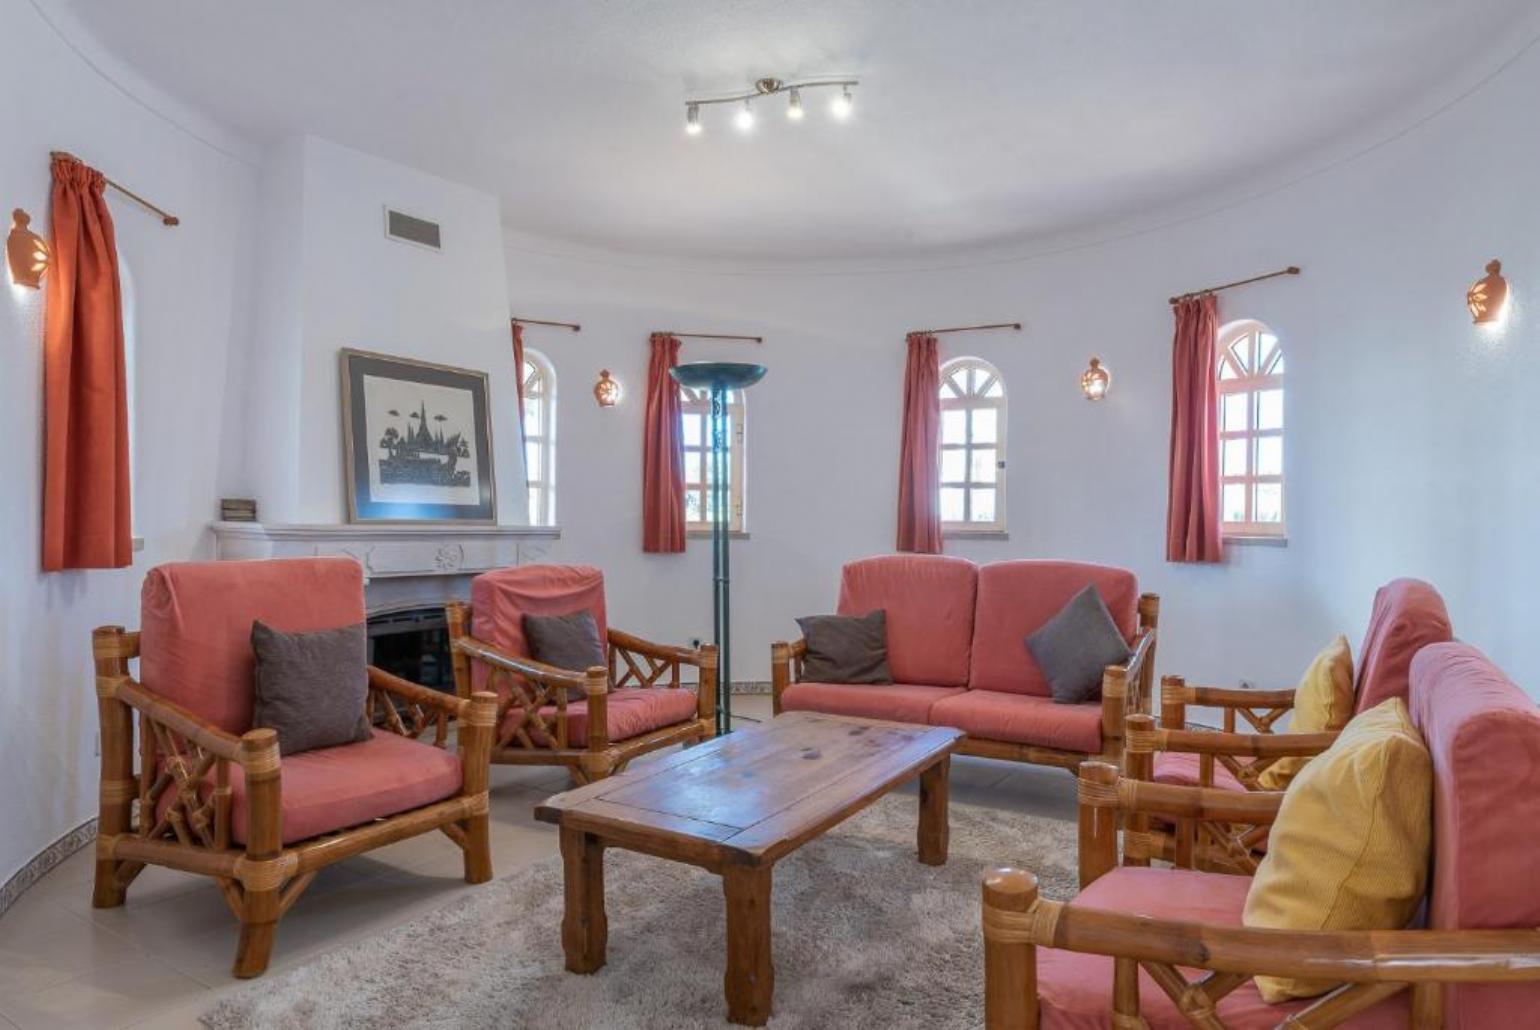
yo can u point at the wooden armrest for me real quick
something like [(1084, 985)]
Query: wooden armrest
[(1217, 742), (174, 717), (630, 642), (379, 679), (1142, 648), (1101, 787), (1231, 697), (528, 667), (790, 650)]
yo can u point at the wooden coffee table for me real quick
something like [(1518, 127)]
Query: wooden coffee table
[(735, 806)]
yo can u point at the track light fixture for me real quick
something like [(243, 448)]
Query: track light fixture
[(840, 107)]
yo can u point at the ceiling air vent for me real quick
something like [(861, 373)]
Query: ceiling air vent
[(407, 229)]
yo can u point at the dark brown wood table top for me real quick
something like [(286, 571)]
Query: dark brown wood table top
[(753, 796)]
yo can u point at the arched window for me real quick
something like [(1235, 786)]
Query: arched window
[(972, 447), (695, 409), (540, 437), (1250, 371)]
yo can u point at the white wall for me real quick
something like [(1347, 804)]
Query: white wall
[(1410, 442), (193, 296)]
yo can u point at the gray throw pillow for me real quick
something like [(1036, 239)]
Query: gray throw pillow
[(311, 687), (846, 648), (568, 642), (1074, 646)]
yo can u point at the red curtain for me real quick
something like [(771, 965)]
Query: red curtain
[(86, 521), (919, 474), (518, 371), (663, 453), (1192, 514)]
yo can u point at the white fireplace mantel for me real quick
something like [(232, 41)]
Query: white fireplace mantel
[(391, 550)]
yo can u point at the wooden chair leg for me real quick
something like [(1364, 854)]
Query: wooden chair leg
[(261, 902), (259, 922), (478, 849), (1010, 963), (117, 787)]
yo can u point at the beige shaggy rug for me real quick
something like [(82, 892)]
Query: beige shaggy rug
[(864, 936)]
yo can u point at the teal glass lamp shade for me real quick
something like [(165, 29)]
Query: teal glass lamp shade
[(728, 375)]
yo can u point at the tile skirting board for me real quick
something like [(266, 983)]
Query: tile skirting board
[(40, 864)]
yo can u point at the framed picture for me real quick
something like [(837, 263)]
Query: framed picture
[(416, 440)]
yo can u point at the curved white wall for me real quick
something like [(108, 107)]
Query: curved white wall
[(1411, 434)]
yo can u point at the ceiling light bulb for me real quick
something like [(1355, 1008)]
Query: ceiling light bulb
[(841, 105), (692, 119), (794, 112), (745, 118)]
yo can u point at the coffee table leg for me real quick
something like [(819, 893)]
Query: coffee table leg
[(750, 979), (934, 829), (583, 926)]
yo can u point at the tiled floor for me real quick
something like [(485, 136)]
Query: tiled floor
[(161, 959)]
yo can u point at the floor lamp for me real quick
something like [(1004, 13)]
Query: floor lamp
[(720, 377)]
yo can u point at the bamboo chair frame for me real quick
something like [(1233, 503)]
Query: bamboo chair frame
[(531, 686), (1126, 690), (178, 751), (1372, 964)]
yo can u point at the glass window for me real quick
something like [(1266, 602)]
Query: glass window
[(972, 449), (539, 386), (695, 410), (1250, 374)]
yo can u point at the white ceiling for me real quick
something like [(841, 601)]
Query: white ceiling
[(977, 121)]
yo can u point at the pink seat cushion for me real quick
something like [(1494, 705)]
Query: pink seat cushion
[(929, 603), (1408, 615), (195, 624), (1181, 769), (337, 787), (1075, 989), (629, 712), (501, 598), (896, 702), (1022, 719), (1015, 599), (1484, 735)]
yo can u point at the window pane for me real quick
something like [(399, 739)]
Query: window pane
[(1269, 409), (1227, 369), (694, 511), (1270, 456), (954, 426), (692, 429), (1234, 463), (1233, 411), (953, 465), (984, 422), (983, 466), (995, 389), (950, 388), (1269, 503), (531, 417), (536, 509), (532, 461), (1234, 502), (983, 505), (951, 504), (692, 467), (1268, 344)]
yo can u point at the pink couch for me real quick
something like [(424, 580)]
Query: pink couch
[(957, 649)]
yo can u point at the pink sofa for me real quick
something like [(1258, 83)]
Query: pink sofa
[(957, 650)]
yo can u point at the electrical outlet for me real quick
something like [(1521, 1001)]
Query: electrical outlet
[(695, 642), (96, 748), (1248, 685)]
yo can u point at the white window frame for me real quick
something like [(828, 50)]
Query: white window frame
[(1249, 381), (697, 403), (956, 395), (539, 386)]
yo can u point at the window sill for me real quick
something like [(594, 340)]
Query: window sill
[(705, 534), (1256, 541), (975, 534)]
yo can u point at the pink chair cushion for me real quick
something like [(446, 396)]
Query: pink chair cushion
[(897, 702), (500, 599), (1181, 769), (629, 712), (1022, 719), (195, 624), (1484, 735), (1408, 615), (929, 601), (1075, 989), (1015, 599), (338, 787)]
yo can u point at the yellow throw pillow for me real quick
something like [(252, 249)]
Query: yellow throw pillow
[(1350, 847), (1322, 701)]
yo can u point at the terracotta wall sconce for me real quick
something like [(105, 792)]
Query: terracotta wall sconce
[(1487, 298), (606, 390), (1095, 380), (26, 251)]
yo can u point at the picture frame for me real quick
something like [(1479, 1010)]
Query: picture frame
[(416, 441)]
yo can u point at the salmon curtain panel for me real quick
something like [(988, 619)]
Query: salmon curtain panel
[(1192, 513), (663, 453), (518, 371), (919, 473), (86, 521)]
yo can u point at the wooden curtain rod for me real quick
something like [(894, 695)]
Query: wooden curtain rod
[(971, 328), (1291, 270), (715, 336), (166, 217), (541, 321)]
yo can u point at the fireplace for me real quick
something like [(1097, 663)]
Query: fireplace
[(413, 643)]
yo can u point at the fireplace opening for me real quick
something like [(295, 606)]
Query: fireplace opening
[(413, 643)]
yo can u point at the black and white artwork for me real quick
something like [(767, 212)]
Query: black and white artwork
[(418, 441)]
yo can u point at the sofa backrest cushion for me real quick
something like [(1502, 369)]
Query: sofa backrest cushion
[(1484, 736), (195, 624), (929, 600), (1408, 615), (1016, 598), (501, 598)]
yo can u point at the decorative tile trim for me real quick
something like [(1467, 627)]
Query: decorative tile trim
[(741, 687), (45, 860)]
